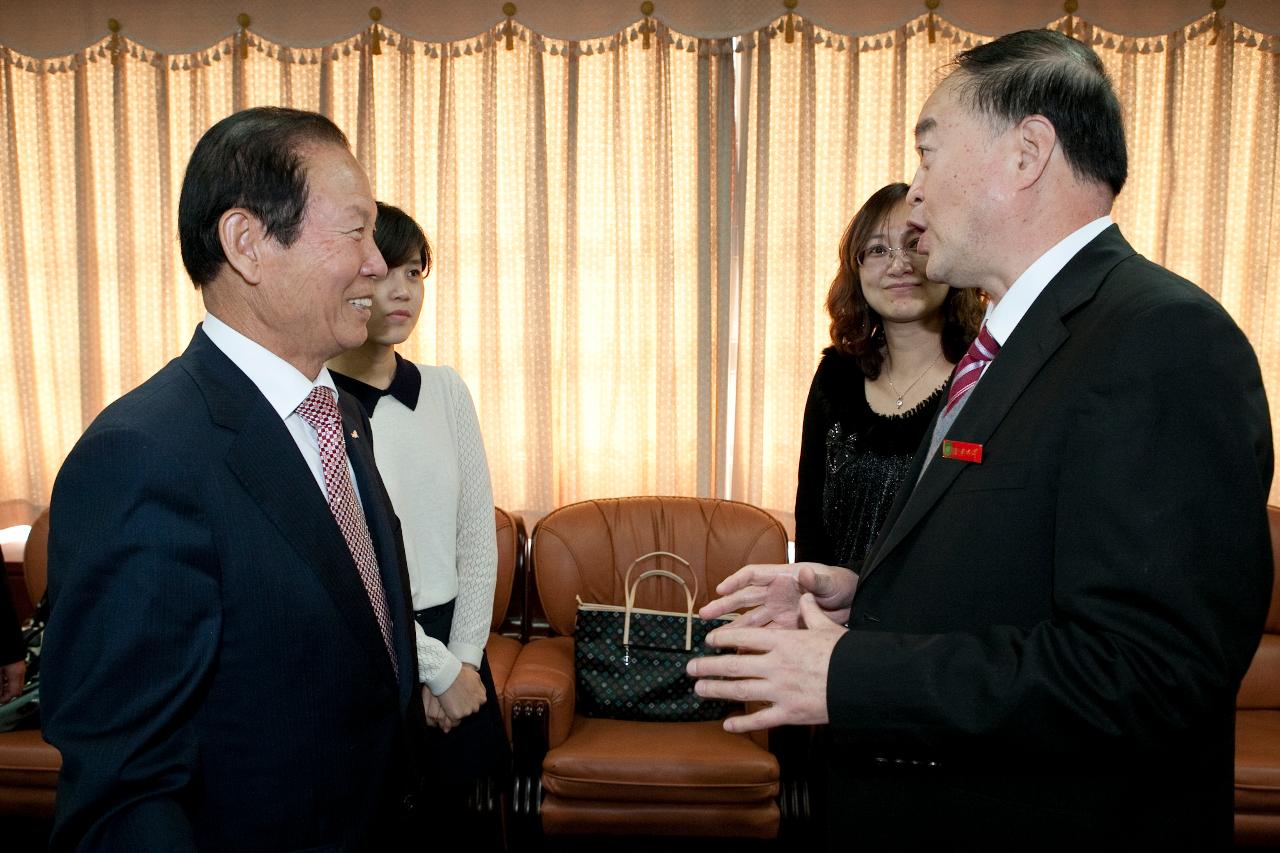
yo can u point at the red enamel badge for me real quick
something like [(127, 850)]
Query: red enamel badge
[(962, 451)]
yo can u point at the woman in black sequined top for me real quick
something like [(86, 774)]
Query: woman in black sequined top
[(896, 337)]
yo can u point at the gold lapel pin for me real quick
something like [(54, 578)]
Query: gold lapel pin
[(355, 434)]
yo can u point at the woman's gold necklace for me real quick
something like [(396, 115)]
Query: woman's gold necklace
[(901, 394)]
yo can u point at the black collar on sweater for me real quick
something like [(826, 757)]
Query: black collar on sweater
[(406, 384)]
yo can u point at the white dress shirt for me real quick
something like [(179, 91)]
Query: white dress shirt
[(1004, 316), (282, 384)]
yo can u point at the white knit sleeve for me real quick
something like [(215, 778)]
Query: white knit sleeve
[(477, 540), (437, 666)]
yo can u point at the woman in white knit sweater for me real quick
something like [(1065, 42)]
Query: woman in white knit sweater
[(427, 444)]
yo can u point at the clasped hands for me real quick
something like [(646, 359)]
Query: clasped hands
[(460, 700), (11, 680), (797, 613)]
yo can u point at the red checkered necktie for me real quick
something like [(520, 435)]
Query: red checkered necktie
[(969, 370), (321, 411)]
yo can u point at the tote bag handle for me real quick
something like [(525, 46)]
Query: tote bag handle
[(631, 594)]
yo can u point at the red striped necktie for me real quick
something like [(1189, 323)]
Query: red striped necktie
[(969, 370), (321, 411)]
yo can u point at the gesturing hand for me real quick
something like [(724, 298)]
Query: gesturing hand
[(788, 673), (773, 593)]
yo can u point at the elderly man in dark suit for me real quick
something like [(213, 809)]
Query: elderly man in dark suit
[(1043, 647), (229, 660)]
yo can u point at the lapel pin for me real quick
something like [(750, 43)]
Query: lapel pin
[(962, 451), (355, 434)]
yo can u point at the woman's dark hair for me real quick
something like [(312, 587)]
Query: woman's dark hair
[(250, 159), (856, 328), (400, 239)]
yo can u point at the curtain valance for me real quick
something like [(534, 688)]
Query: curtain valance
[(55, 28)]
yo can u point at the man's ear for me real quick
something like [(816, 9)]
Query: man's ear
[(1036, 140), (243, 241)]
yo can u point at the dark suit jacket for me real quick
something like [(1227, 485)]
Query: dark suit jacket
[(1046, 646), (213, 672)]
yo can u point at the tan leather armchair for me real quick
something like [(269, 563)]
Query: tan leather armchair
[(579, 775), (1258, 727), (29, 766), (504, 644)]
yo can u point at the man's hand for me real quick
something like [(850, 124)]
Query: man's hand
[(773, 592), (12, 677), (789, 674)]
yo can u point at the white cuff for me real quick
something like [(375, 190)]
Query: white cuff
[(467, 653), (444, 677)]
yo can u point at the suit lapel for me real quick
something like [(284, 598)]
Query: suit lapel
[(1033, 342), (265, 459)]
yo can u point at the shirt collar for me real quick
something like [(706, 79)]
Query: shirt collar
[(280, 382), (1005, 315), (406, 384)]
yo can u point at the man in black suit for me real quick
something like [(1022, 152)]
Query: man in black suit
[(1046, 640), (229, 660)]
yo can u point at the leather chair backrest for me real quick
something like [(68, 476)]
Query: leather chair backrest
[(1261, 685), (35, 559), (508, 553), (583, 550)]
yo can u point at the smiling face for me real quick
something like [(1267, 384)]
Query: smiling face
[(959, 192), (397, 303), (894, 284), (316, 295)]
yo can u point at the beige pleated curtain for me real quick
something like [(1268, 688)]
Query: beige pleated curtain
[(624, 326), (576, 195)]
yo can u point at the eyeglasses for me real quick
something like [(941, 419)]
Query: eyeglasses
[(880, 255)]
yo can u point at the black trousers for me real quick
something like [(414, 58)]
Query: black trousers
[(477, 747)]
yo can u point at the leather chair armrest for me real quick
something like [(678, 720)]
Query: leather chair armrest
[(1260, 689), (543, 672)]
